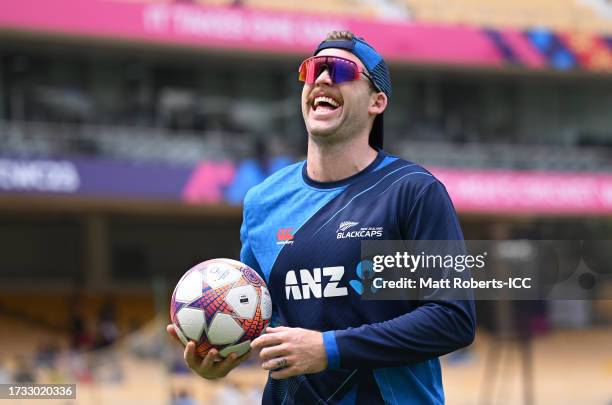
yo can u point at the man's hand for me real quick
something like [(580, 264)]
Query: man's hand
[(291, 351), (212, 366)]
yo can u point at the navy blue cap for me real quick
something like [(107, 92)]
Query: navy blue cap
[(378, 70)]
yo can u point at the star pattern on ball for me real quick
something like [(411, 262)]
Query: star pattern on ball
[(176, 306), (213, 301), (252, 327)]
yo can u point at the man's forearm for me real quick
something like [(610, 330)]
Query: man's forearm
[(431, 330)]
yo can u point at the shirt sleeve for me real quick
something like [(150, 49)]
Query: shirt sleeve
[(436, 327)]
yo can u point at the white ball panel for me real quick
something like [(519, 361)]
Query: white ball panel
[(192, 322), (180, 335), (189, 288), (219, 274), (224, 330), (233, 262), (243, 300), (266, 304), (239, 349)]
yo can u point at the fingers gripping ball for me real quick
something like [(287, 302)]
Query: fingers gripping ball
[(220, 303)]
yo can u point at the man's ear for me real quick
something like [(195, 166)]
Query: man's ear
[(378, 103)]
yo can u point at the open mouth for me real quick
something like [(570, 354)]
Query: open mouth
[(325, 104)]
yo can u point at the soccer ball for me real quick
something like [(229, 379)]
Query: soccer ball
[(220, 303)]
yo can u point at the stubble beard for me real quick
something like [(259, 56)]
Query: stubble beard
[(340, 133)]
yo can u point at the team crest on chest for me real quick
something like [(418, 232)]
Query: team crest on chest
[(351, 229)]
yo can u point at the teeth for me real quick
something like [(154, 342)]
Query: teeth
[(319, 100)]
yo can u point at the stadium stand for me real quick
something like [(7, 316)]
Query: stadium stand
[(509, 156), (143, 368), (25, 336), (157, 145), (151, 104), (131, 143), (174, 147), (130, 309)]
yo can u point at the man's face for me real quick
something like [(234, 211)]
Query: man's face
[(346, 113)]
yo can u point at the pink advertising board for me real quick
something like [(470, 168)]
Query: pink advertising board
[(525, 192), (256, 30)]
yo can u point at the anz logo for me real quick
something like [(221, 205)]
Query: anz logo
[(364, 272), (316, 283)]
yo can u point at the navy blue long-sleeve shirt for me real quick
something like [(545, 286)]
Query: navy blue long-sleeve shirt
[(304, 237)]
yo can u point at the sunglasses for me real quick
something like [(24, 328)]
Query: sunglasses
[(340, 70)]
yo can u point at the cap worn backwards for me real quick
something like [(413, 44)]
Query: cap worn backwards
[(377, 68), (371, 59)]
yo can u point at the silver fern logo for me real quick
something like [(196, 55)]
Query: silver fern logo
[(364, 232), (344, 225)]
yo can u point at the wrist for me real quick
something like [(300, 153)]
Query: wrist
[(331, 349)]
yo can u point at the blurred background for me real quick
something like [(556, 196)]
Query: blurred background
[(130, 131)]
